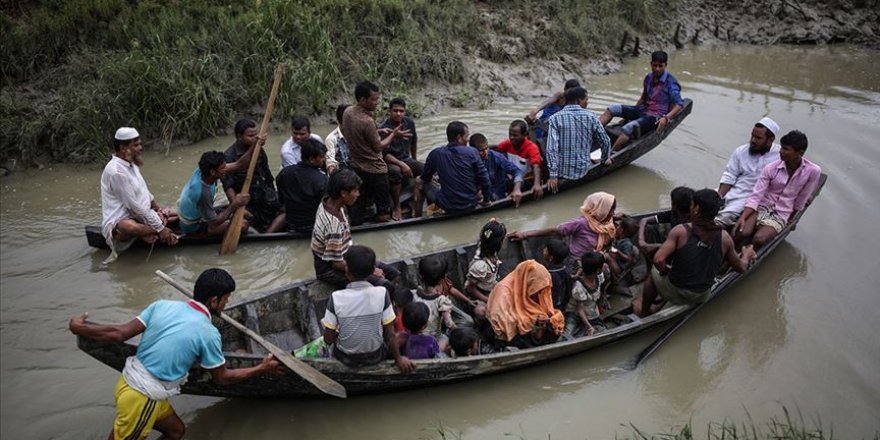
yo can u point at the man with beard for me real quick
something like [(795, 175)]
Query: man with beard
[(743, 168), (176, 335), (129, 209)]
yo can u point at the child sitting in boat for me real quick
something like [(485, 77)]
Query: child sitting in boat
[(416, 341), (400, 297), (582, 316), (555, 253), (482, 274), (432, 271), (628, 267)]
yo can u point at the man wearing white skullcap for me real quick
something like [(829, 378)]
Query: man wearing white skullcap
[(743, 168), (129, 209)]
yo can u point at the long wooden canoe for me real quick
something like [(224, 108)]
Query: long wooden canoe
[(289, 317), (626, 155)]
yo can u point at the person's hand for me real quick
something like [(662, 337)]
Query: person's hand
[(261, 140), (241, 200), (537, 192), (403, 134), (331, 169), (531, 117), (379, 272), (591, 331), (166, 235), (248, 215), (77, 322), (739, 225), (749, 254), (661, 124), (384, 132), (485, 202), (164, 213), (516, 236), (405, 365), (553, 185), (406, 170), (270, 365), (609, 161), (516, 196)]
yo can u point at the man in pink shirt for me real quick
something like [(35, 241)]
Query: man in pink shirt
[(783, 188)]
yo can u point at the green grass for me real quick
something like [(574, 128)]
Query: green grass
[(74, 70)]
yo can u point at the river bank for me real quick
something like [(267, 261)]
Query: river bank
[(73, 72)]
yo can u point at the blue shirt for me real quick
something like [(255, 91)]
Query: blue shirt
[(195, 204), (462, 176), (550, 110), (657, 101), (574, 133), (499, 169), (176, 336)]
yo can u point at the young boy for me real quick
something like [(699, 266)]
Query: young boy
[(555, 253), (628, 266), (582, 315), (196, 204), (432, 271), (358, 317), (416, 342), (400, 297)]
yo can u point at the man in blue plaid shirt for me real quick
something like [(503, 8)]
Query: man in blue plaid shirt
[(574, 132)]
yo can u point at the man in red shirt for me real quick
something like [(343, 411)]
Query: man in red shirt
[(525, 154)]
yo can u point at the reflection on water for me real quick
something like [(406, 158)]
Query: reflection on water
[(762, 342)]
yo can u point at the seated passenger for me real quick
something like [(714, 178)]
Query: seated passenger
[(555, 253), (582, 315), (659, 103), (300, 132), (401, 157), (628, 266), (523, 153), (400, 297), (503, 174), (696, 250), (196, 204), (301, 187), (482, 275), (654, 229), (417, 342), (464, 182), (592, 231), (438, 293), (548, 108), (359, 316), (520, 308), (465, 341)]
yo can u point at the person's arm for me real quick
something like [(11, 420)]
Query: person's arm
[(226, 376), (600, 137), (581, 310), (537, 188), (546, 232), (739, 263), (404, 168), (429, 169), (643, 223), (482, 178), (105, 333), (674, 91), (732, 171), (805, 193), (668, 248), (474, 292), (239, 201), (533, 114), (330, 143), (403, 363), (245, 159)]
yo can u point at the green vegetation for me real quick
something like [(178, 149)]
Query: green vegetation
[(74, 70)]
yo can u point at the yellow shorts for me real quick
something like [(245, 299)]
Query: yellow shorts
[(136, 413)]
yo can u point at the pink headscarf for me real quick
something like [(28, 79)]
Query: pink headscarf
[(595, 209)]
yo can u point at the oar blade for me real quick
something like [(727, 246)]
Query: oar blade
[(307, 372), (233, 234)]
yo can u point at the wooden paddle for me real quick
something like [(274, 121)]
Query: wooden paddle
[(233, 234), (304, 370)]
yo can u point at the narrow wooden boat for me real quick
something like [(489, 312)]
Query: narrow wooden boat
[(289, 317), (626, 155)]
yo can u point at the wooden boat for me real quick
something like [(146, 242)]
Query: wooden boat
[(289, 317), (626, 155)]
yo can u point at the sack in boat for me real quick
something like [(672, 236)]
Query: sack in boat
[(315, 349)]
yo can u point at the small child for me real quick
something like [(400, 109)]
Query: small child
[(555, 253), (432, 271), (482, 274), (400, 297), (627, 265), (582, 316), (464, 342), (415, 342)]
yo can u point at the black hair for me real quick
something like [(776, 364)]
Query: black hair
[(401, 296), (709, 202), (461, 339), (557, 249), (360, 261), (575, 94), (523, 127), (767, 133), (592, 262), (300, 122), (659, 57), (242, 125), (432, 269), (570, 84), (491, 238), (455, 129), (213, 282), (477, 139), (397, 101), (363, 89), (629, 226), (210, 160), (311, 148), (681, 198), (415, 316), (795, 139), (340, 110), (343, 180)]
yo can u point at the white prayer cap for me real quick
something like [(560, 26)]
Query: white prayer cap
[(128, 133), (771, 125)]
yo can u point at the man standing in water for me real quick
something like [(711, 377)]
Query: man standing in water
[(128, 208), (659, 103), (176, 335)]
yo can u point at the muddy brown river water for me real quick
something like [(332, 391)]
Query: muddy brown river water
[(800, 332)]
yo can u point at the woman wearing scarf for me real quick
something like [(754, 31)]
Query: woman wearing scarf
[(520, 308), (593, 230)]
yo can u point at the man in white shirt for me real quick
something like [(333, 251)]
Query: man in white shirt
[(300, 130), (129, 209), (337, 147), (743, 169)]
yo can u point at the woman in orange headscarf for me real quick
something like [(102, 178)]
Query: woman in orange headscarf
[(520, 308)]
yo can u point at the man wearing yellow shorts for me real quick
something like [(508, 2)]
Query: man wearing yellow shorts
[(176, 334)]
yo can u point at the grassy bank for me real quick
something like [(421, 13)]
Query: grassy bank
[(73, 71)]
